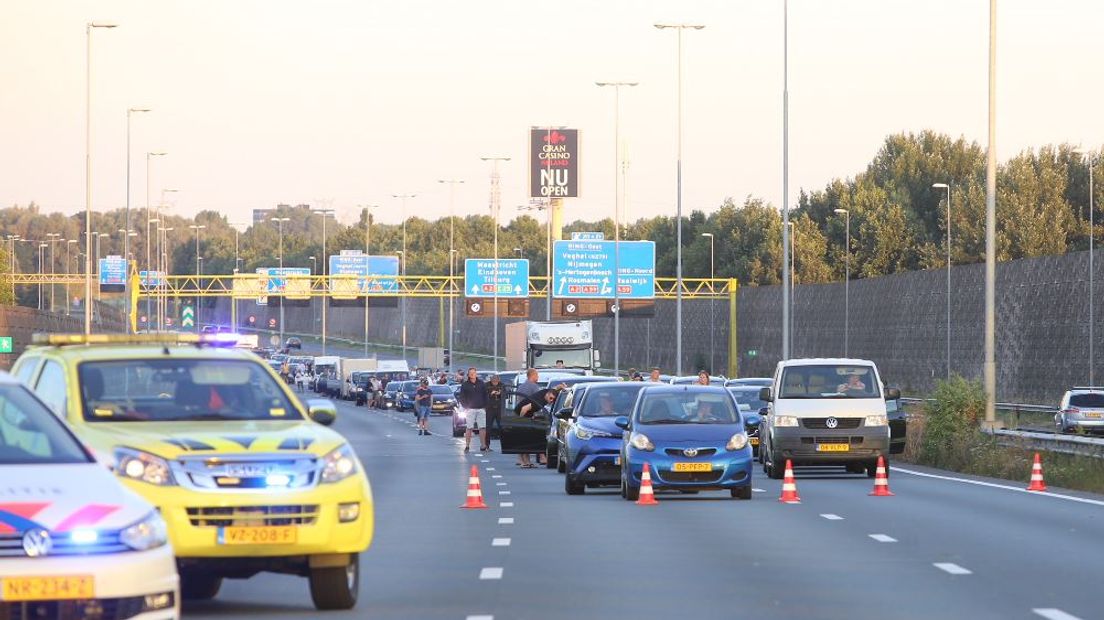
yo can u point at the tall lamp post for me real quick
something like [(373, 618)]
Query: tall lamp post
[(367, 261), (947, 186), (68, 258), (314, 271), (163, 267), (41, 257), (846, 279), (617, 216), (496, 208), (149, 237), (280, 225), (678, 257), (402, 272), (198, 270), (51, 238), (325, 213), (130, 112), (712, 320), (452, 183), (89, 27), (402, 300), (1092, 238)]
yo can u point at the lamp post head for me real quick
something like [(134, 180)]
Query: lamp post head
[(710, 235), (940, 186), (129, 110), (102, 25), (156, 153)]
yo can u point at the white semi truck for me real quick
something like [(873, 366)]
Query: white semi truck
[(538, 344)]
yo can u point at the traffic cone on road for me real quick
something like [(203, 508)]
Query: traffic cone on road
[(475, 493), (1037, 483), (789, 487), (647, 495), (881, 481)]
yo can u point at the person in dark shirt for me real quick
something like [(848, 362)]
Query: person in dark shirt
[(423, 400), (473, 398), (496, 392)]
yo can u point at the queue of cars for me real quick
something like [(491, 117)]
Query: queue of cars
[(211, 459)]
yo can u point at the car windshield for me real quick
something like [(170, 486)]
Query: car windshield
[(170, 390), (687, 408), (748, 397), (576, 358), (610, 401), (829, 381), (409, 387), (440, 389), (31, 435), (1087, 400)]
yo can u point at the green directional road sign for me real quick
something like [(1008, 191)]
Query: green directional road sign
[(187, 317), (5, 344)]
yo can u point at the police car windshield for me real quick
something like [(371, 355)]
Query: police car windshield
[(172, 390), (31, 435)]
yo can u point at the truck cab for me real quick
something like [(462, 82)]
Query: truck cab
[(548, 345)]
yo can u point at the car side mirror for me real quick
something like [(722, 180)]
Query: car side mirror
[(565, 413), (765, 395), (752, 419), (621, 422), (892, 393), (321, 411)]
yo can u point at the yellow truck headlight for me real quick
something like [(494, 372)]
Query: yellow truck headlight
[(138, 465)]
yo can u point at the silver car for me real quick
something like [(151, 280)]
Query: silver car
[(1082, 408)]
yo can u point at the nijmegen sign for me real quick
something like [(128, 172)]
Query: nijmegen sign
[(553, 162)]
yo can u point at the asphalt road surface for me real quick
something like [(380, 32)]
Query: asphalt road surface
[(943, 547)]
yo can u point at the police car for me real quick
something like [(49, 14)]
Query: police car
[(246, 476), (74, 543)]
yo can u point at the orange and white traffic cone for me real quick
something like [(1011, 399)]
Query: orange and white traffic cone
[(647, 495), (1037, 482), (789, 486), (881, 481), (475, 493)]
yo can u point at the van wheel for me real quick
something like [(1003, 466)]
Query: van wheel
[(743, 492), (195, 587), (776, 470), (336, 587)]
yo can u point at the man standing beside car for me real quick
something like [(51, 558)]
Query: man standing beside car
[(496, 392), (473, 398)]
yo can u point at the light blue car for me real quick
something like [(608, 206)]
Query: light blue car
[(693, 439)]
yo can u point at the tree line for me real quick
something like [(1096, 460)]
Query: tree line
[(898, 223)]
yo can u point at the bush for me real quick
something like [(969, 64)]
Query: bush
[(951, 422)]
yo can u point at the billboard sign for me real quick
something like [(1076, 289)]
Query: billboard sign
[(553, 162), (511, 280), (355, 273), (113, 271), (584, 269)]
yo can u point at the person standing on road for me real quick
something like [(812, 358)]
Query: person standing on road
[(496, 393), (473, 398), (423, 399), (524, 391)]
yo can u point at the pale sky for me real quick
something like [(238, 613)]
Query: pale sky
[(265, 101)]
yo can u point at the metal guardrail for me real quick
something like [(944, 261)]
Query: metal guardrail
[(1000, 406)]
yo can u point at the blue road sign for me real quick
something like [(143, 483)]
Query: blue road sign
[(512, 280), (113, 271), (379, 272), (584, 269), (276, 282), (151, 279), (587, 236)]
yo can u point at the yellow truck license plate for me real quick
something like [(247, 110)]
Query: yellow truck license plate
[(47, 588), (692, 467), (268, 535), (833, 447)]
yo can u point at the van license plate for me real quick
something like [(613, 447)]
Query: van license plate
[(692, 467), (833, 447)]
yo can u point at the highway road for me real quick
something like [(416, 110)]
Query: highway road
[(943, 547)]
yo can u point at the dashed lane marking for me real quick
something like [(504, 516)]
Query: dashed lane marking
[(506, 505), (505, 520), (832, 517), (503, 492), (492, 572), (981, 483), (754, 490), (496, 475), (952, 569), (883, 538), (1051, 613), (483, 617), (500, 542), (500, 484), (490, 469)]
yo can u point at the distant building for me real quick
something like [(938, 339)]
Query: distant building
[(263, 215)]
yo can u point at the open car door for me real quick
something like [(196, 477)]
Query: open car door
[(524, 434)]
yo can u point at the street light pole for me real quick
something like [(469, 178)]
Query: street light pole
[(947, 187), (990, 368), (452, 183), (149, 238), (712, 318), (51, 238), (68, 258), (196, 228), (367, 261), (846, 280), (325, 213), (88, 173), (496, 208), (617, 220), (402, 300), (280, 225), (786, 241), (678, 257)]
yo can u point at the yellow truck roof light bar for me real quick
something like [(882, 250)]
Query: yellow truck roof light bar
[(57, 340)]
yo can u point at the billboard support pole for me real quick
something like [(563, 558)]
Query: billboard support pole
[(733, 331)]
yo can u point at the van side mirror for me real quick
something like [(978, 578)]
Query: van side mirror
[(765, 395), (621, 422), (892, 393), (565, 413)]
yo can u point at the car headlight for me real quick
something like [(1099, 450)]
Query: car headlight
[(149, 533), (339, 464), (584, 433), (738, 441), (138, 465), (878, 419), (785, 420), (640, 441)]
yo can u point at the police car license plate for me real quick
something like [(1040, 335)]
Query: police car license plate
[(66, 587), (267, 535), (692, 467), (833, 447)]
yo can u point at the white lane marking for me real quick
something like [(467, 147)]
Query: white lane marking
[(479, 456), (497, 476), (505, 520), (832, 517), (490, 469), (754, 490), (500, 484), (500, 542), (1051, 613), (484, 460), (503, 492), (491, 573), (953, 569), (883, 538), (483, 617), (1083, 500), (506, 505)]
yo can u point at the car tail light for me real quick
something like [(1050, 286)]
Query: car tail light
[(1073, 410)]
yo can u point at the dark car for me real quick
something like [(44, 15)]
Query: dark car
[(898, 425), (404, 396), (293, 342)]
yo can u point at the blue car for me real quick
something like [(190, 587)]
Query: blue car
[(693, 439), (590, 449)]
